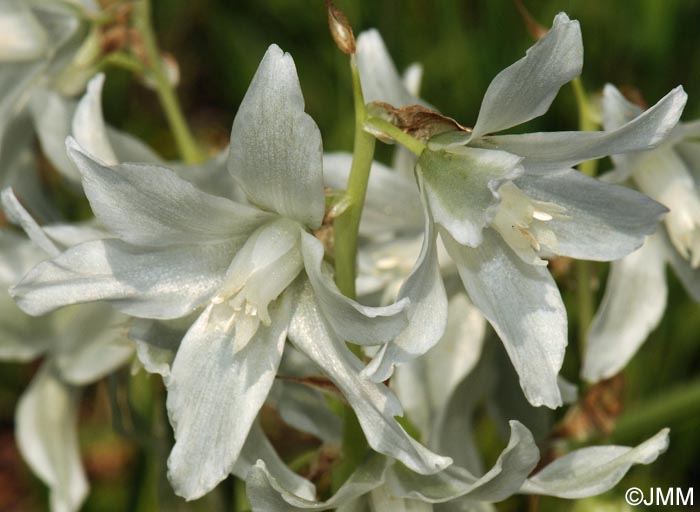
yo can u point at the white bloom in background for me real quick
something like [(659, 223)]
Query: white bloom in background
[(504, 203), (636, 292), (255, 270), (47, 50), (79, 345)]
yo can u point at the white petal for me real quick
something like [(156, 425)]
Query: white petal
[(92, 343), (461, 186), (504, 479), (548, 151), (427, 312), (374, 404), (212, 416), (23, 37), (392, 202), (17, 214), (634, 301), (524, 306), (152, 283), (22, 337), (258, 447), (89, 127), (306, 410), (378, 75), (349, 319), (156, 345), (52, 114), (604, 221), (265, 492), (594, 470), (48, 440), (146, 204), (526, 89), (688, 276), (276, 152), (617, 110)]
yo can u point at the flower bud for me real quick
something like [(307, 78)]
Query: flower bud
[(340, 29)]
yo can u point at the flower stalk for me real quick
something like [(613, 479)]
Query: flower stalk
[(186, 143)]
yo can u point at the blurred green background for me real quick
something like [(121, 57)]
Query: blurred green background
[(648, 45)]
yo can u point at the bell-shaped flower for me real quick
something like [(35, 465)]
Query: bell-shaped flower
[(505, 203), (636, 291), (80, 345), (254, 272)]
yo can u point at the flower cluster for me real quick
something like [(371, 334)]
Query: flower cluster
[(220, 277)]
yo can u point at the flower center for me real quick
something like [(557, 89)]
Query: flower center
[(262, 269), (522, 222)]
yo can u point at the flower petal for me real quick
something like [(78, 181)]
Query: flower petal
[(23, 37), (89, 127), (604, 221), (152, 283), (156, 344), (349, 319), (92, 343), (634, 301), (374, 404), (548, 151), (258, 447), (523, 305), (688, 276), (461, 187), (378, 75), (306, 410), (17, 214), (526, 89), (594, 470), (47, 437), (212, 416), (147, 204), (427, 312), (392, 202), (504, 479), (276, 152), (426, 385), (265, 492)]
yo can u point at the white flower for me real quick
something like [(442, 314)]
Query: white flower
[(255, 270), (636, 291), (503, 203), (79, 345)]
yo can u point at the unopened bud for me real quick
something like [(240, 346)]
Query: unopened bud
[(340, 29)]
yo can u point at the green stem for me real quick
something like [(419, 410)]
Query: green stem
[(347, 225), (584, 291), (675, 405), (413, 145), (188, 147), (346, 230)]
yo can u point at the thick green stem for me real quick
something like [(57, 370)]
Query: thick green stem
[(188, 147), (347, 225), (584, 290), (346, 231)]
